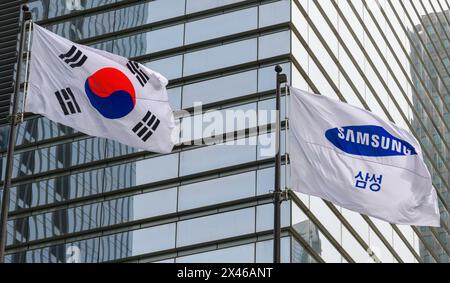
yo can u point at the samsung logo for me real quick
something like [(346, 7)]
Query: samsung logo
[(368, 141)]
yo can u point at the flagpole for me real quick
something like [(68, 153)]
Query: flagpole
[(277, 199), (26, 15)]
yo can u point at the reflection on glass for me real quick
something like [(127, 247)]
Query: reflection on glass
[(239, 254), (264, 251), (216, 156), (222, 88), (310, 233), (269, 45), (47, 9), (148, 12), (171, 67), (156, 169), (224, 25), (149, 42), (217, 191), (216, 226), (274, 13), (199, 5), (264, 216), (218, 57)]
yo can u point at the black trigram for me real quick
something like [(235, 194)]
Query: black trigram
[(147, 126), (75, 58), (67, 101), (140, 75)]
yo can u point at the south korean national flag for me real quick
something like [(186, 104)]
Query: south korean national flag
[(99, 93)]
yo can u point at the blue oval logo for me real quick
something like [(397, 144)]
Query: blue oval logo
[(368, 141)]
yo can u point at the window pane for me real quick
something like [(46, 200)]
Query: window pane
[(156, 169), (264, 251), (34, 130), (266, 78), (194, 161), (216, 122), (219, 89), (170, 67), (274, 13), (85, 27), (137, 242), (139, 207), (174, 98), (214, 227), (149, 42), (217, 191), (266, 180), (148, 12), (239, 254), (59, 156), (199, 5), (46, 9), (222, 25), (220, 57), (264, 216), (274, 44)]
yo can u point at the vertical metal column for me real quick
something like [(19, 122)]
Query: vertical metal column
[(277, 195)]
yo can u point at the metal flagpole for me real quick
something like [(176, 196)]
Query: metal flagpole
[(26, 15), (277, 195)]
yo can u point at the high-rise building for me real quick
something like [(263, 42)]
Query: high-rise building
[(82, 199), (310, 233), (430, 55)]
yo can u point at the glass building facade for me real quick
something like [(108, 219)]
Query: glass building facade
[(430, 56), (82, 199)]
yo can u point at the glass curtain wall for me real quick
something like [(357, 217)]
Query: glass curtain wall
[(82, 199)]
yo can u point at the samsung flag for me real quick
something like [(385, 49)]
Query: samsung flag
[(358, 161), (98, 93)]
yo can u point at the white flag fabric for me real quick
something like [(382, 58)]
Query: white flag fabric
[(99, 93), (356, 160)]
